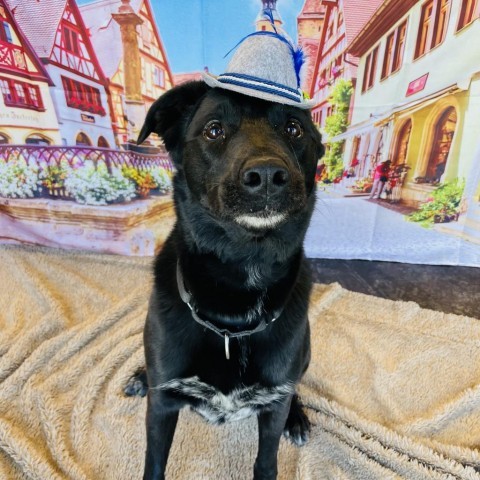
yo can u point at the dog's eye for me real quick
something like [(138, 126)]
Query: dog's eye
[(213, 130), (294, 129)]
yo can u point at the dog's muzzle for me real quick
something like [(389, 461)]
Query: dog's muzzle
[(269, 180), (264, 187)]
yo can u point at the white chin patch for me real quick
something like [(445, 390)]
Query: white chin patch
[(254, 221)]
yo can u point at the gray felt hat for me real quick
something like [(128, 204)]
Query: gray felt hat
[(267, 66)]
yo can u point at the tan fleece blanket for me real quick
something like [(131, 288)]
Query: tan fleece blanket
[(393, 390)]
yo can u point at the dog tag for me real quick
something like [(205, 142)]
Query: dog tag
[(227, 347)]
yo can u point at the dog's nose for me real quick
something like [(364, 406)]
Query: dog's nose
[(271, 178)]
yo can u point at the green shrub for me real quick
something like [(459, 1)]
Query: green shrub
[(443, 205), (336, 124)]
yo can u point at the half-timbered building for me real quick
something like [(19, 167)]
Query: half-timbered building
[(131, 52), (342, 22), (58, 34), (27, 113)]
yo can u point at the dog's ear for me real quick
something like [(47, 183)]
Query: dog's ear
[(317, 138), (165, 115), (320, 147)]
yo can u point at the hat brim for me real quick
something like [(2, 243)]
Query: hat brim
[(213, 81)]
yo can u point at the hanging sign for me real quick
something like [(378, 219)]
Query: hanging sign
[(417, 85), (88, 118)]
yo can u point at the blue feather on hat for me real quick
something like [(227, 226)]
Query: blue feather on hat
[(297, 52), (266, 66)]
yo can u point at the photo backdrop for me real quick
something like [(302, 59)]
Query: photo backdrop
[(397, 99)]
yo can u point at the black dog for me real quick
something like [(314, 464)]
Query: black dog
[(227, 330)]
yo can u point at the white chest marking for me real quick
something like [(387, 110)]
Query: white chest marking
[(217, 407)]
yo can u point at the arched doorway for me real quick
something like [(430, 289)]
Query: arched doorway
[(401, 146), (362, 168), (376, 154), (102, 142), (37, 139), (83, 140), (3, 139), (354, 160), (444, 131)]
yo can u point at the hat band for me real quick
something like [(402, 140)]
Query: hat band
[(261, 85)]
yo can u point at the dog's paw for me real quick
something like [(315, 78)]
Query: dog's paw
[(297, 427), (137, 385)]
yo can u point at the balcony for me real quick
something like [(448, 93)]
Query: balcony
[(12, 57), (80, 155)]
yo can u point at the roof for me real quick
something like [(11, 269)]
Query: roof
[(356, 14), (312, 9), (29, 50), (179, 78), (383, 19), (39, 22)]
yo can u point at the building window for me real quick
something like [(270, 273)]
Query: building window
[(433, 25), (37, 139), (83, 140), (469, 11), (71, 40), (370, 70), (317, 117), (340, 19), (146, 35), (82, 96), (425, 27), (158, 77), (102, 142), (330, 28), (393, 58), (388, 57), (399, 47), (5, 33), (20, 94), (441, 22)]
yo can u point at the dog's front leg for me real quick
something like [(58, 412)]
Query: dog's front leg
[(270, 427), (162, 418)]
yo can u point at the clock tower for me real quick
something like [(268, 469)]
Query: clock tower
[(263, 21)]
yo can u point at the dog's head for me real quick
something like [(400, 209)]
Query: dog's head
[(247, 162)]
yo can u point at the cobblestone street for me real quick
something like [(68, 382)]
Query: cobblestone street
[(354, 227)]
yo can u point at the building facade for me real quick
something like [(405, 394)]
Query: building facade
[(309, 28), (27, 113), (130, 50), (58, 35), (343, 19), (418, 96)]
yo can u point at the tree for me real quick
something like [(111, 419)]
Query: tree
[(336, 124)]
